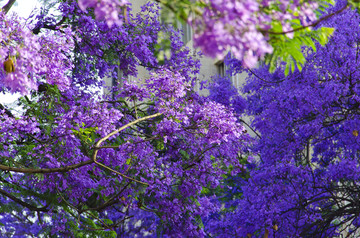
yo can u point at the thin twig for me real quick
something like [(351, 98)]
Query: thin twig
[(250, 127), (307, 26)]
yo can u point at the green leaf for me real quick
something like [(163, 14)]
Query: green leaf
[(128, 161), (199, 221), (291, 50), (108, 221), (184, 154), (287, 69)]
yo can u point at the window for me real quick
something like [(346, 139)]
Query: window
[(187, 32), (221, 69)]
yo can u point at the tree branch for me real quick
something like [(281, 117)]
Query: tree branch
[(7, 6), (45, 171), (27, 205), (310, 25), (257, 134), (37, 29), (98, 145), (7, 111), (111, 201)]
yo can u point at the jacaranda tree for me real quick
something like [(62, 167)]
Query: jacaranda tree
[(75, 163), (153, 158), (305, 181), (250, 30)]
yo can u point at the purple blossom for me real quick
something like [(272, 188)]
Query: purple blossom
[(240, 27), (107, 10), (74, 161), (305, 177)]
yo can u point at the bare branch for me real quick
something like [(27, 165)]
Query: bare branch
[(45, 171), (7, 6), (123, 128), (257, 134), (98, 145)]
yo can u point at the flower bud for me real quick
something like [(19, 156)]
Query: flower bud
[(355, 133), (9, 66)]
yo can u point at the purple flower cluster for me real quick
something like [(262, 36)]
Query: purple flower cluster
[(305, 180), (222, 91), (77, 163), (107, 10), (220, 26), (240, 26), (101, 51), (35, 59)]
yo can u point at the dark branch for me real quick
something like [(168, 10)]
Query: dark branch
[(45, 171), (111, 201), (257, 76), (7, 6), (55, 27), (311, 25), (7, 111), (27, 205), (257, 134)]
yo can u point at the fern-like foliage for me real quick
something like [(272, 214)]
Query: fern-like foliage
[(290, 49)]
